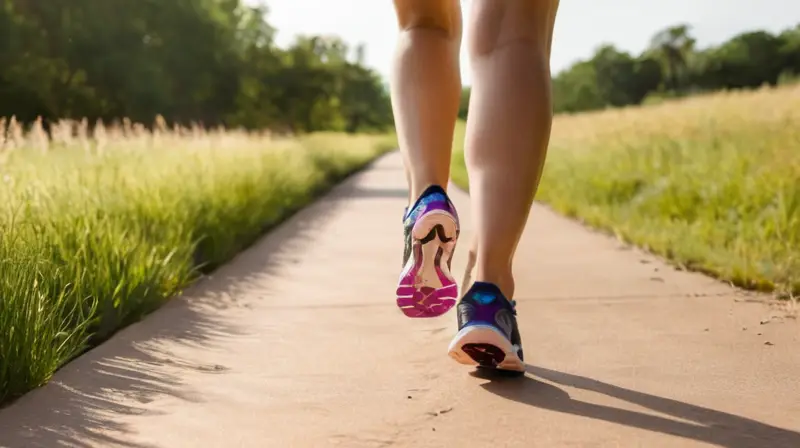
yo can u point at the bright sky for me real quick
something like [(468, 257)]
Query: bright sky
[(581, 25)]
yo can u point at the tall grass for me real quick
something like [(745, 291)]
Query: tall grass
[(97, 231), (712, 182)]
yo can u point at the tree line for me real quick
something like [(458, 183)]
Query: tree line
[(672, 66), (213, 62)]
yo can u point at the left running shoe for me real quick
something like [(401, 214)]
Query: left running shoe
[(431, 229)]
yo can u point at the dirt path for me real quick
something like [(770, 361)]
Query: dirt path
[(298, 343)]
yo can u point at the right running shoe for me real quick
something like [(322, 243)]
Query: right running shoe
[(488, 335), (431, 229)]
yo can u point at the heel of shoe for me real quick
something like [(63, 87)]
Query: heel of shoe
[(440, 229), (485, 346)]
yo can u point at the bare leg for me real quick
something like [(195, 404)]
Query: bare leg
[(426, 87), (508, 129)]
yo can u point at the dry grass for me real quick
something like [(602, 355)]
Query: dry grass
[(711, 183), (98, 230)]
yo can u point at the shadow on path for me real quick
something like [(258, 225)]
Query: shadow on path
[(81, 405), (708, 426)]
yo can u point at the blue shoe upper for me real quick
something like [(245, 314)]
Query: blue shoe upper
[(485, 304)]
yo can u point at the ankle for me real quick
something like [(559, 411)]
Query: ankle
[(418, 190), (504, 279)]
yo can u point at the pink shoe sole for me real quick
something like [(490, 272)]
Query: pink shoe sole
[(426, 287)]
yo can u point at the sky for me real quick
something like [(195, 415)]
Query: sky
[(581, 25)]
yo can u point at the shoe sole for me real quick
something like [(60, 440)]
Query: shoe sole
[(426, 287), (485, 346)]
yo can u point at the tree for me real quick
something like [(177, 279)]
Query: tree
[(611, 78), (671, 66), (672, 46), (576, 89), (748, 60), (208, 61), (614, 72), (790, 51)]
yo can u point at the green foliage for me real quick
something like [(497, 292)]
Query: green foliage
[(672, 67), (463, 105), (208, 61)]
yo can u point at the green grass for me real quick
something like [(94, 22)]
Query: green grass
[(711, 183), (90, 241)]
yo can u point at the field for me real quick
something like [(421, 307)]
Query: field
[(712, 183), (98, 230)]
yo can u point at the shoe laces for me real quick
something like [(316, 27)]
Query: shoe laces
[(513, 306)]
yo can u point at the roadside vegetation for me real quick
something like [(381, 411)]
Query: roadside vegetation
[(98, 230)]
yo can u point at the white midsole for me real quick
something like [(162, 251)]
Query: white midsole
[(485, 334), (427, 275)]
